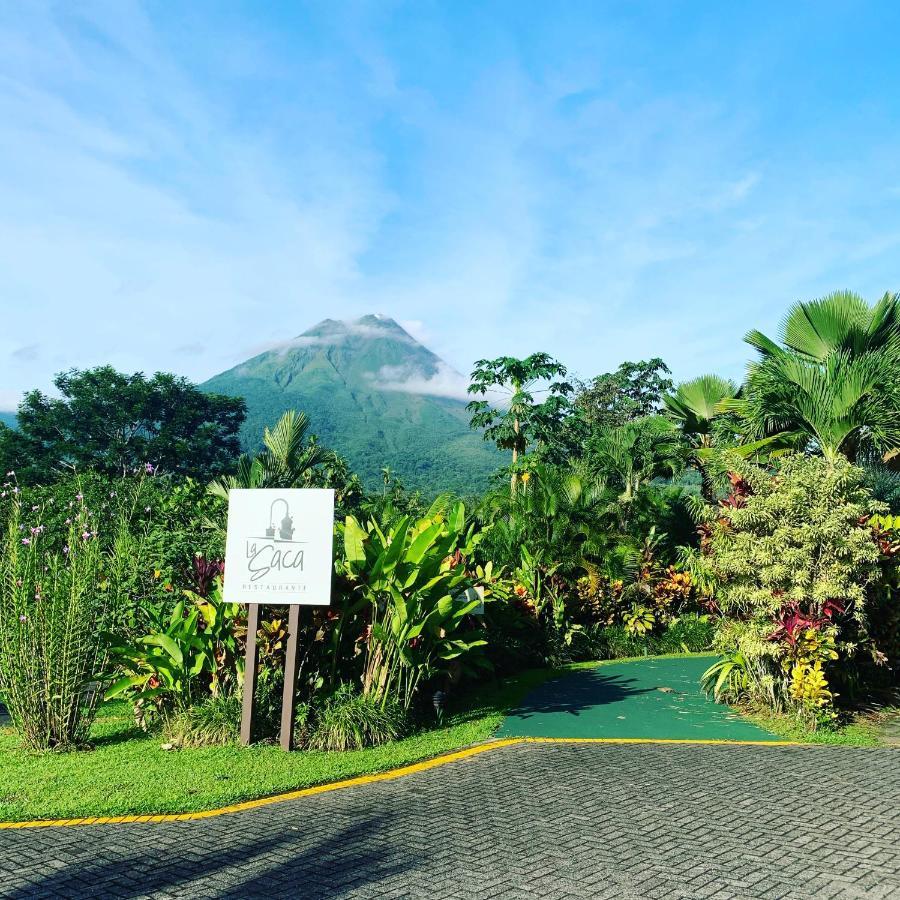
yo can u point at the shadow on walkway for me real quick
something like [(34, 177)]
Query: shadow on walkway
[(579, 693), (254, 859)]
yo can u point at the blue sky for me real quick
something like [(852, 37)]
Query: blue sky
[(184, 184)]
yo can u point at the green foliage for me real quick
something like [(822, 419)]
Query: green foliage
[(834, 382), (54, 603), (551, 525), (290, 459), (639, 621), (168, 521), (630, 455), (797, 567), (689, 633), (412, 578), (633, 391), (696, 403), (115, 423), (727, 678), (348, 720), (799, 535), (520, 421), (214, 722), (191, 652)]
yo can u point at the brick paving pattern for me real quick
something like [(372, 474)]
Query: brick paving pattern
[(531, 821)]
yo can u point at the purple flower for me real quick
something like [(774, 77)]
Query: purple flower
[(26, 541), (66, 549), (22, 618), (79, 496), (148, 468), (85, 535)]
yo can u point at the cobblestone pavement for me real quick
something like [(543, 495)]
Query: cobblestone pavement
[(541, 821)]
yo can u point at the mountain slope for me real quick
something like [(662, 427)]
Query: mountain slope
[(374, 394)]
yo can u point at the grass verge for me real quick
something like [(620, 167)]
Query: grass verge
[(864, 729), (127, 771)]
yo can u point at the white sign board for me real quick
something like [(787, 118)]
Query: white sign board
[(279, 546)]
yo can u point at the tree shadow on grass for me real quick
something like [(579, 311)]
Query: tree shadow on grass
[(578, 692), (227, 857), (122, 736)]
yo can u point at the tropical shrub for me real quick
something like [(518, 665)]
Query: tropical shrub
[(517, 639), (59, 589), (191, 653), (214, 722), (348, 720), (168, 522), (412, 579), (798, 570), (689, 633)]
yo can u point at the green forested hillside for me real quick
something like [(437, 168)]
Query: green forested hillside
[(364, 386)]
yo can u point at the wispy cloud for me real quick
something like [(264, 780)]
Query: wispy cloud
[(445, 382), (26, 353), (590, 186)]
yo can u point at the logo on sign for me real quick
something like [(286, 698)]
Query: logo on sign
[(266, 557)]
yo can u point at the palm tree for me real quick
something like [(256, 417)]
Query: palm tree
[(835, 382), (839, 322), (695, 404), (632, 454), (557, 520), (288, 460)]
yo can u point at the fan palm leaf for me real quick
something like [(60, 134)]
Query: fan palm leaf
[(834, 381), (695, 404)]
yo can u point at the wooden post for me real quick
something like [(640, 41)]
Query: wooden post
[(251, 667), (289, 697)]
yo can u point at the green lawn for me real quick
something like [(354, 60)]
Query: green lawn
[(128, 772)]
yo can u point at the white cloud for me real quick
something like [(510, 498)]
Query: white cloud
[(445, 382)]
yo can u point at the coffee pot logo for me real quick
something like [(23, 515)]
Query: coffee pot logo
[(286, 529)]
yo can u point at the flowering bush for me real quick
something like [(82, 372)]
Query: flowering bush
[(59, 589), (798, 573)]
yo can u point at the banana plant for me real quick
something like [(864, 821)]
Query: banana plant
[(413, 577)]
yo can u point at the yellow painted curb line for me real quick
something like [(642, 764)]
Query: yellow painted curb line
[(552, 740), (390, 775)]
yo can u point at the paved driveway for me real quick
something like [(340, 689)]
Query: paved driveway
[(658, 698), (530, 820)]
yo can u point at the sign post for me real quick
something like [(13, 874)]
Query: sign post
[(278, 551), (251, 664)]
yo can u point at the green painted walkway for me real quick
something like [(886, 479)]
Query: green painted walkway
[(647, 698)]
